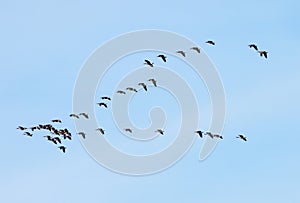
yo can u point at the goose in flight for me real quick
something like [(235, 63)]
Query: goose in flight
[(56, 121), (107, 98), (57, 139), (242, 137), (121, 92), (209, 134), (210, 42), (263, 53), (74, 115), (254, 46), (28, 134), (67, 137), (197, 49), (102, 104), (160, 131), (82, 134), (218, 136), (163, 57), (84, 115), (62, 148), (149, 63), (128, 130), (131, 89), (35, 128), (181, 52), (100, 130), (153, 82), (21, 128), (143, 85), (200, 133)]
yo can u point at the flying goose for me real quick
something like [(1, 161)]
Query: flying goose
[(62, 148), (210, 42), (82, 134), (74, 115), (242, 137), (197, 49), (200, 133), (147, 62), (100, 130), (102, 104), (254, 46), (163, 57), (153, 82), (181, 52), (131, 89), (84, 115), (160, 131), (144, 85)]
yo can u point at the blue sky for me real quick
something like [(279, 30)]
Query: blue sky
[(44, 45)]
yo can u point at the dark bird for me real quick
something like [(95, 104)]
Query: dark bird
[(57, 139), (160, 131), (82, 134), (84, 115), (100, 130), (28, 134), (54, 141), (153, 82), (163, 57), (21, 128), (200, 133), (62, 148), (263, 53), (242, 137), (56, 121), (181, 52), (218, 136), (197, 49), (102, 104), (121, 92), (74, 115), (48, 137), (209, 134), (131, 89), (149, 63), (128, 130), (144, 85), (35, 128), (254, 46), (107, 98), (210, 42), (67, 137)]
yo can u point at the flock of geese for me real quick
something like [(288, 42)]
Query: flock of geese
[(58, 135)]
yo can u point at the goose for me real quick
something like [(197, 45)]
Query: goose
[(82, 134), (160, 131), (62, 148), (143, 85), (197, 49), (102, 104), (242, 137), (153, 82), (100, 130), (181, 52), (147, 62), (84, 115), (210, 42), (254, 46), (200, 133), (131, 89), (163, 57), (74, 115)]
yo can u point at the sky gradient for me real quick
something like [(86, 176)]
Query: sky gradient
[(44, 45)]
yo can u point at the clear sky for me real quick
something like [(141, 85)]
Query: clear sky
[(45, 43)]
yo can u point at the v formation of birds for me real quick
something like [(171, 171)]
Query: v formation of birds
[(58, 136)]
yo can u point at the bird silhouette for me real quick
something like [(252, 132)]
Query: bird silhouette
[(254, 46), (57, 139), (62, 148), (56, 121), (200, 133), (102, 104), (121, 92), (84, 115), (101, 130), (21, 128), (263, 53), (218, 136), (131, 89), (107, 98), (28, 134), (82, 134), (209, 134), (197, 49), (149, 63), (67, 137), (242, 137), (163, 57), (143, 85), (128, 130), (35, 128), (74, 115), (181, 52), (160, 131), (210, 42), (153, 82)]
